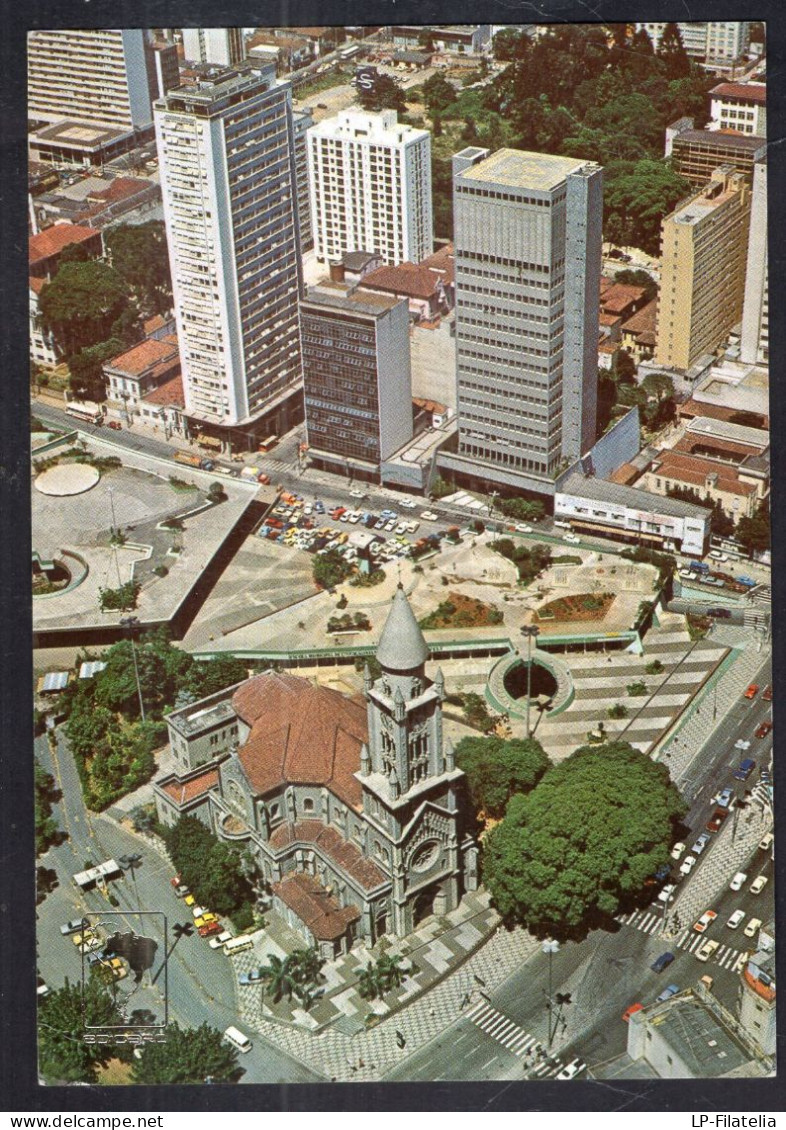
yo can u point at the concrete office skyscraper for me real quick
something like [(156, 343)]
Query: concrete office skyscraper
[(227, 164), (222, 46), (527, 253)]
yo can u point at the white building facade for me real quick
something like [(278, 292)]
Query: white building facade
[(223, 46), (755, 340), (96, 76), (718, 41), (741, 106), (228, 181), (370, 185)]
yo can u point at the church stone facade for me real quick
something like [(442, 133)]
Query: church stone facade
[(353, 811)]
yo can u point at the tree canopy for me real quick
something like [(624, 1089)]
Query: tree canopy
[(187, 1055), (754, 533), (83, 304), (47, 832), (213, 870), (138, 252), (588, 835), (63, 1014), (496, 769), (384, 94), (330, 569)]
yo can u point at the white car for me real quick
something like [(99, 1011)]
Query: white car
[(571, 1070), (766, 842), (705, 951), (741, 744), (356, 492), (401, 528), (408, 503), (687, 865), (716, 555), (667, 894), (678, 850), (686, 573), (523, 528), (758, 884), (218, 940), (391, 525), (428, 516), (354, 517), (308, 509), (735, 919), (752, 927), (573, 538), (737, 881)]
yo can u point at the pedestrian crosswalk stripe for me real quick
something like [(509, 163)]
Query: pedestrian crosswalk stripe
[(504, 1030), (697, 940)]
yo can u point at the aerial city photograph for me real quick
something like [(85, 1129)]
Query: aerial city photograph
[(400, 509)]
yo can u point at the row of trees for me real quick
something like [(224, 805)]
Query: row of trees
[(112, 745), (187, 1055), (217, 873), (94, 308), (530, 560), (47, 832)]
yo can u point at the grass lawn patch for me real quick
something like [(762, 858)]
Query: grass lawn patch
[(460, 611)]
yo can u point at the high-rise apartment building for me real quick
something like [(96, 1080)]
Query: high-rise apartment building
[(302, 121), (741, 106), (527, 259), (755, 340), (704, 246), (221, 46), (370, 183), (357, 381), (226, 155), (721, 41), (97, 76)]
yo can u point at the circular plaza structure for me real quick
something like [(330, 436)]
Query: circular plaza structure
[(67, 479), (550, 678)]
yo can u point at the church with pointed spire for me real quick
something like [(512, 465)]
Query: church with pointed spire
[(354, 812)]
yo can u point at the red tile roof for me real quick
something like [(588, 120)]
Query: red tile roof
[(618, 296), (119, 189), (340, 850), (429, 405), (52, 240), (691, 408), (443, 262), (37, 284), (644, 320), (318, 910), (605, 319), (752, 91), (410, 279), (300, 734), (150, 325), (184, 791), (693, 471), (149, 354), (170, 392)]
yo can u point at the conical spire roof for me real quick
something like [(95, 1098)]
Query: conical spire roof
[(401, 645)]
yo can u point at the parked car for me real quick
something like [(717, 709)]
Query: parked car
[(428, 516), (678, 850), (574, 539), (72, 926), (767, 693), (662, 962), (706, 950), (630, 1011), (742, 744), (210, 928), (669, 991), (716, 820), (717, 555), (764, 844), (571, 1070), (253, 977), (752, 691), (746, 768), (218, 940), (737, 882), (205, 919), (753, 925), (700, 844), (667, 894), (83, 936), (706, 920), (758, 884), (735, 919), (182, 891), (763, 729), (724, 798), (523, 528), (687, 865)]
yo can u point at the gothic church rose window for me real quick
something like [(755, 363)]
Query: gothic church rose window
[(425, 856)]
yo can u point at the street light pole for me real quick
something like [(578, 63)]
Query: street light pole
[(530, 632), (131, 622), (550, 947)]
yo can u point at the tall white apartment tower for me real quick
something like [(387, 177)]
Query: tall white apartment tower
[(95, 76), (226, 157), (755, 339), (370, 185), (528, 255), (222, 46)]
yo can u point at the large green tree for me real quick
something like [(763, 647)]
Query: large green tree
[(385, 94), (438, 94), (497, 769), (187, 1055), (673, 53), (213, 870), (84, 303), (63, 1015), (637, 201), (754, 533), (47, 832), (588, 835), (138, 252)]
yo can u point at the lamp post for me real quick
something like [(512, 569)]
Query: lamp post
[(128, 863), (530, 632), (550, 947), (131, 622)]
